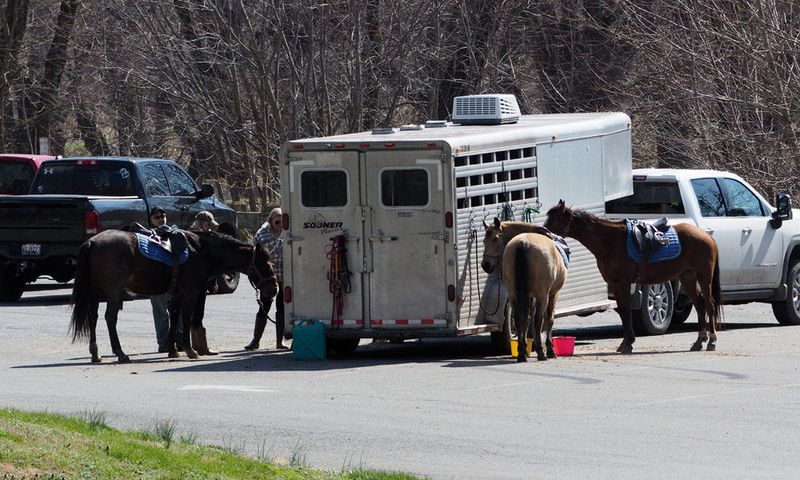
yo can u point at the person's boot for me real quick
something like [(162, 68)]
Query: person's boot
[(200, 342), (258, 331)]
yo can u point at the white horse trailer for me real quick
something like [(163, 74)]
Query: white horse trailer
[(407, 204)]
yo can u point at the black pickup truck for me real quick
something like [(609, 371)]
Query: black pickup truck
[(72, 199)]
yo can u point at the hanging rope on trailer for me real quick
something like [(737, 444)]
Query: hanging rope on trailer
[(527, 213), (338, 275)]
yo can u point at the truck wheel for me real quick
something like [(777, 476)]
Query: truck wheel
[(502, 339), (227, 282), (343, 347), (788, 311), (655, 315), (11, 285)]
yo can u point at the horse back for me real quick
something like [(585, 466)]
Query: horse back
[(545, 264)]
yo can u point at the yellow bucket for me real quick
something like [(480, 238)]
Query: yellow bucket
[(515, 347)]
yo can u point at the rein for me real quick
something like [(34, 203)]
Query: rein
[(262, 279), (338, 275)]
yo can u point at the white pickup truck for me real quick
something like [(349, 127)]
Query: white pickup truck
[(759, 244)]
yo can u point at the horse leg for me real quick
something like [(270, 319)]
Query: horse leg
[(174, 318), (622, 293), (710, 312), (94, 304), (689, 282), (539, 308), (113, 306), (549, 318), (187, 312)]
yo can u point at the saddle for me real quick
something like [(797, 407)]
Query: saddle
[(171, 239), (652, 241)]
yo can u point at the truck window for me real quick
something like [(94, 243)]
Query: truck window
[(404, 187), (709, 196), (181, 184), (15, 177), (155, 182), (323, 188), (741, 201), (86, 177), (649, 198)]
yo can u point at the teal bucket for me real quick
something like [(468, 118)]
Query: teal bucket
[(308, 340)]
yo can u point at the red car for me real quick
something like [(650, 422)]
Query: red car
[(17, 171)]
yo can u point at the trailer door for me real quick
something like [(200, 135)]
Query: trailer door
[(406, 244), (325, 203)]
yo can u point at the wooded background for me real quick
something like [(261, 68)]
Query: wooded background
[(218, 85)]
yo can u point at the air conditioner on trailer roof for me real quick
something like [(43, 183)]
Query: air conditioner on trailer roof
[(490, 109)]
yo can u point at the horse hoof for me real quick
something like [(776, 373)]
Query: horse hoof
[(541, 358), (696, 346), (522, 358), (173, 354), (96, 359), (625, 349), (712, 347), (551, 354), (191, 353), (123, 359)]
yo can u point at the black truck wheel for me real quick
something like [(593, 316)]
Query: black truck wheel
[(787, 312), (11, 284)]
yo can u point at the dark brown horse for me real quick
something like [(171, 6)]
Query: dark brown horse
[(532, 268), (110, 263), (697, 267)]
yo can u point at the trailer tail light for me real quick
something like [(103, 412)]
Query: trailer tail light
[(287, 294), (451, 293), (285, 221), (448, 219), (91, 222), (297, 146)]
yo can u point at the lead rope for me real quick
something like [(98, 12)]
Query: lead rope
[(338, 276)]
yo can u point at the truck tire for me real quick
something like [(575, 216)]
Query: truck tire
[(655, 315), (502, 339), (344, 347), (227, 282), (788, 311), (11, 284)]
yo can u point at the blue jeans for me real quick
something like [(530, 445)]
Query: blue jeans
[(161, 320)]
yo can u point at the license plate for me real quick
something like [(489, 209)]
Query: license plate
[(31, 248)]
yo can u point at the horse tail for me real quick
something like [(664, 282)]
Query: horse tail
[(80, 301), (716, 293), (521, 283)]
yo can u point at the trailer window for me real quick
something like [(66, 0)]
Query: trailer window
[(323, 188), (649, 198), (404, 188)]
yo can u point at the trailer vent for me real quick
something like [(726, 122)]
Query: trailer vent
[(383, 131), (411, 126), (485, 109), (435, 123)]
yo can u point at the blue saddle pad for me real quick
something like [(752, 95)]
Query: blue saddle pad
[(563, 249), (662, 253), (155, 251)]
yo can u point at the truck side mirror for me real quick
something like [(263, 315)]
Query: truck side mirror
[(205, 191), (783, 205)]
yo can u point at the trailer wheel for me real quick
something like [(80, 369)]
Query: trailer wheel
[(344, 347), (502, 339), (11, 284)]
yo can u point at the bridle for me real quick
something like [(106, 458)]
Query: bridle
[(260, 282)]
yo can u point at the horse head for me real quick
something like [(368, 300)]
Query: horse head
[(493, 245), (260, 272), (559, 218)]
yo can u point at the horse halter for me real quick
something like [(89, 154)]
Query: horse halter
[(261, 281)]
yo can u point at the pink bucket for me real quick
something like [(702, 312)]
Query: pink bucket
[(564, 346)]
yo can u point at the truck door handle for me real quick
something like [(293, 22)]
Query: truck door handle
[(710, 232), (747, 230)]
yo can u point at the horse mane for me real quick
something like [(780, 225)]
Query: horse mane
[(511, 229), (584, 218)]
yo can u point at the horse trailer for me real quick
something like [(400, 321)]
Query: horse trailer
[(384, 229)]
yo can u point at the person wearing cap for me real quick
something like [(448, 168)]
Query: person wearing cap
[(158, 218), (270, 235), (204, 220)]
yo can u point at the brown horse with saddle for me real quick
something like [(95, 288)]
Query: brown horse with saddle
[(110, 263), (697, 266)]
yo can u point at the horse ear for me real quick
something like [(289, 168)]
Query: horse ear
[(561, 203), (496, 222)]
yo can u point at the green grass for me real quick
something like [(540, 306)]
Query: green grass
[(50, 446)]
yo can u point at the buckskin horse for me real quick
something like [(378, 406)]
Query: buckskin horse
[(697, 266), (531, 267), (110, 263)]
